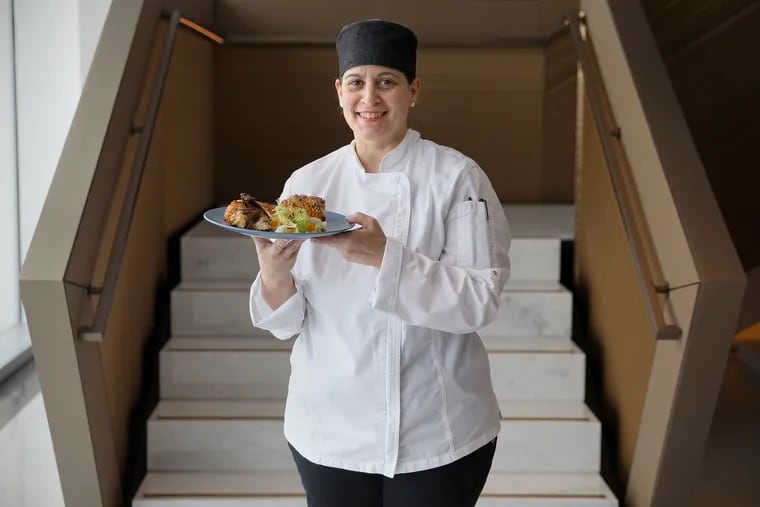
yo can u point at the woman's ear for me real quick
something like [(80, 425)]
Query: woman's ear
[(339, 92), (415, 88)]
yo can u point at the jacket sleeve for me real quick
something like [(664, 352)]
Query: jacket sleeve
[(461, 291), (288, 319), (285, 321)]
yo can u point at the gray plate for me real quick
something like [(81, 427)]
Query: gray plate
[(335, 224)]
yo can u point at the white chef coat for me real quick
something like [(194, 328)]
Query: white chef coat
[(388, 374)]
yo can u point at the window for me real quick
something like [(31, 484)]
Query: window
[(12, 340), (9, 244)]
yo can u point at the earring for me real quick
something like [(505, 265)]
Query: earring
[(413, 103)]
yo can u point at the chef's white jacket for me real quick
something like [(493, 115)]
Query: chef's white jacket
[(388, 374)]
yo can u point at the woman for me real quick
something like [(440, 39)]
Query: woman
[(390, 401)]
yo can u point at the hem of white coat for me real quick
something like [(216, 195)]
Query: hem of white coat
[(264, 317), (402, 467), (385, 291)]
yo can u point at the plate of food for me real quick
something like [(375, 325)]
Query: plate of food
[(297, 217)]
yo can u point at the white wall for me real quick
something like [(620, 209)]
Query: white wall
[(92, 15), (48, 84), (55, 42), (9, 263)]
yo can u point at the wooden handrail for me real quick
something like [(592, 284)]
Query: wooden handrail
[(609, 133), (107, 291)]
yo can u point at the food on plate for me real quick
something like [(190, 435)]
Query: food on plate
[(312, 205), (297, 213), (248, 213)]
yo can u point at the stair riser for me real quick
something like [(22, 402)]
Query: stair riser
[(226, 313), (259, 445), (538, 376), (225, 502), (532, 314), (218, 258), (485, 501), (301, 502), (212, 313), (535, 259), (544, 502), (264, 375), (225, 375), (234, 258), (548, 446)]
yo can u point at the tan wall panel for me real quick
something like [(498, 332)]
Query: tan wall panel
[(561, 61), (558, 144), (618, 322), (277, 110), (189, 117), (558, 134), (130, 324)]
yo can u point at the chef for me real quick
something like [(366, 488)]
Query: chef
[(390, 401)]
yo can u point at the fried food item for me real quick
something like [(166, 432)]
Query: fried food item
[(297, 213), (248, 213), (313, 205)]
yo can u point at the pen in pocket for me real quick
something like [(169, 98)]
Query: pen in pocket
[(485, 203)]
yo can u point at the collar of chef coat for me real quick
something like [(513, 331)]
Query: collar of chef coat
[(390, 162)]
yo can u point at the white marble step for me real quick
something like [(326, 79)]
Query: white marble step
[(220, 308), (541, 220), (212, 253), (248, 368), (283, 489), (532, 308), (239, 436)]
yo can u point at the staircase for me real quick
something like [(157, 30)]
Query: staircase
[(215, 439)]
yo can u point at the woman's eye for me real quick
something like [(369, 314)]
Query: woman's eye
[(385, 83), (355, 83)]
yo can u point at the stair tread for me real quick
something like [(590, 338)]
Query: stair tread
[(541, 220), (560, 410), (227, 343), (557, 343), (244, 285), (165, 484), (493, 343)]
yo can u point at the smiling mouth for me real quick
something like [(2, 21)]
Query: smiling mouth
[(371, 116)]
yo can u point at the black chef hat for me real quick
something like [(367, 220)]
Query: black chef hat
[(377, 42)]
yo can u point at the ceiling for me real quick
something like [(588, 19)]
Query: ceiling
[(446, 22)]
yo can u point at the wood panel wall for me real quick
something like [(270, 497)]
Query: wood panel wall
[(711, 53), (177, 184), (559, 117), (276, 110), (618, 334)]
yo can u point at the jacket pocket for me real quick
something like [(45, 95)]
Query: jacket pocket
[(473, 247)]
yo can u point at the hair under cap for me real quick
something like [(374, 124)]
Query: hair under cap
[(377, 42)]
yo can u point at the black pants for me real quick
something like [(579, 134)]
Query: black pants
[(457, 484)]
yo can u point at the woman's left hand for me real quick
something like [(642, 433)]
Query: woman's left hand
[(362, 246)]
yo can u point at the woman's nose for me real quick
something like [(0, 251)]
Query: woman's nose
[(370, 95)]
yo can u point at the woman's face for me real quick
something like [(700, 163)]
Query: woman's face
[(375, 102)]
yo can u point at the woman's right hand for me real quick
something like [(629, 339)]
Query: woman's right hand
[(276, 259)]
